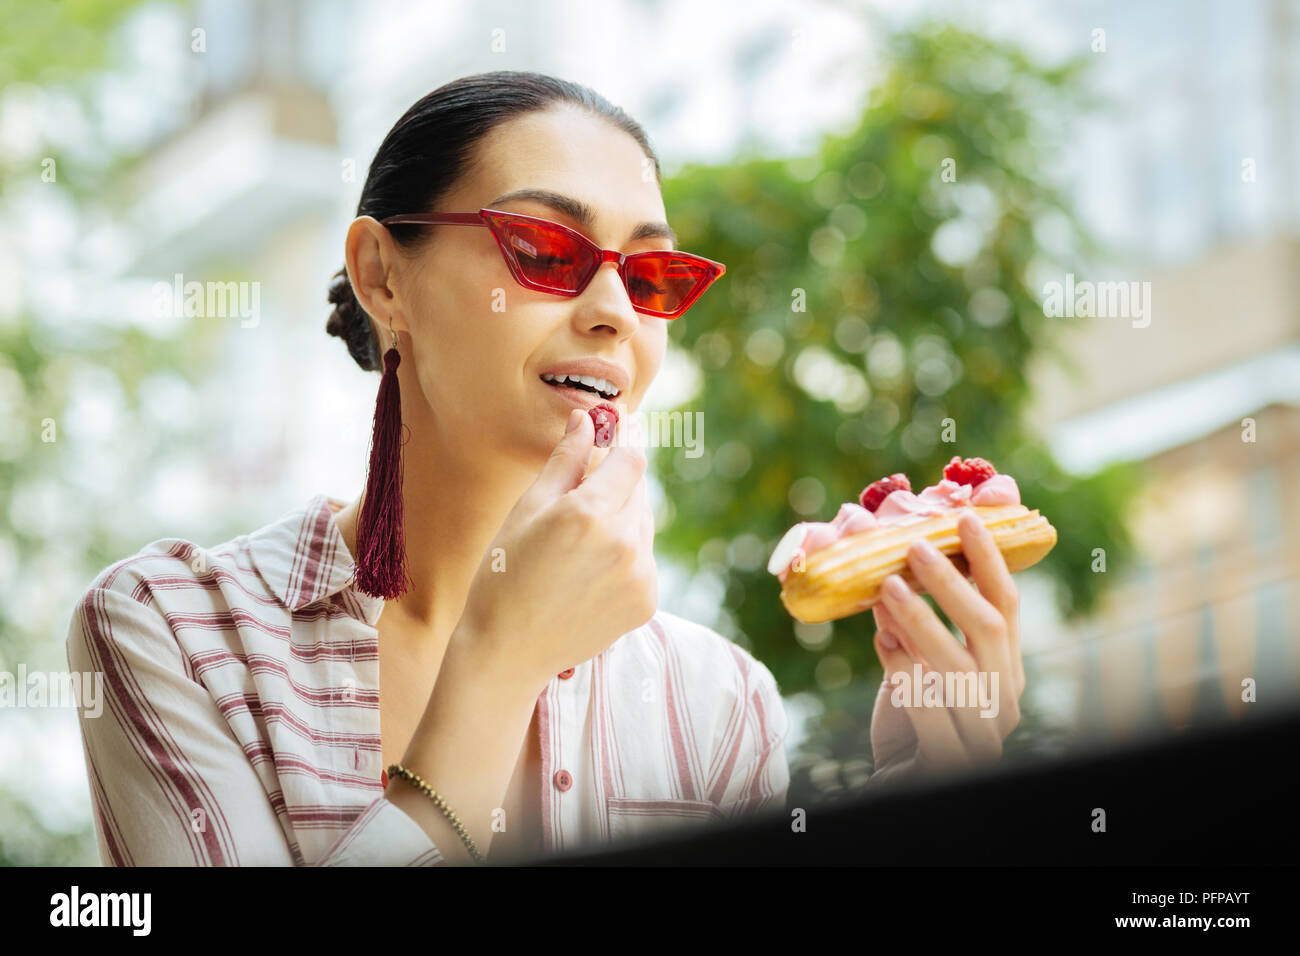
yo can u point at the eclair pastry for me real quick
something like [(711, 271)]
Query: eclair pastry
[(831, 570)]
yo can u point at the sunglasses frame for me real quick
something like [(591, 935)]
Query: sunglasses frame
[(494, 219)]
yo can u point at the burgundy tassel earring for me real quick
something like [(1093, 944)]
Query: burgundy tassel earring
[(381, 544)]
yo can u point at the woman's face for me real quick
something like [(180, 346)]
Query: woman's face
[(480, 342)]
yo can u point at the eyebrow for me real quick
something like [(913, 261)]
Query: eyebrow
[(584, 215)]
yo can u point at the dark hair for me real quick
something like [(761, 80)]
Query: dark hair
[(428, 150)]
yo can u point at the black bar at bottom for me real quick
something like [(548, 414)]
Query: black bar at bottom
[(1223, 796)]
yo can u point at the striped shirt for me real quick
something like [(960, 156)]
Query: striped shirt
[(241, 725)]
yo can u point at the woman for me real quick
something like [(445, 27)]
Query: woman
[(497, 572)]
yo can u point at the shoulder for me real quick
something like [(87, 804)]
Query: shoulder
[(139, 599), (167, 570), (157, 561), (158, 567)]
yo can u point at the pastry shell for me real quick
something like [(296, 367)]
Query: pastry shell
[(844, 578)]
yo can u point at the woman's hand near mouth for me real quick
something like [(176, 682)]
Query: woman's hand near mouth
[(575, 569)]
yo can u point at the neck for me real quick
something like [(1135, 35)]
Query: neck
[(454, 502), (448, 526)]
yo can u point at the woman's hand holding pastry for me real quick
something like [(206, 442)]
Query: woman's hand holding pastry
[(918, 738)]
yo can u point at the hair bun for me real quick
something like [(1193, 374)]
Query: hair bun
[(350, 322)]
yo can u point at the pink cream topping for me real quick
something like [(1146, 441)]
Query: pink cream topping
[(899, 507), (999, 490)]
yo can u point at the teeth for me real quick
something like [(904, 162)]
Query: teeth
[(600, 384)]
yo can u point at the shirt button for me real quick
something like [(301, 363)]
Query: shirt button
[(566, 673), (563, 781)]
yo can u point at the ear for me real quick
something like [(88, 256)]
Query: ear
[(373, 261)]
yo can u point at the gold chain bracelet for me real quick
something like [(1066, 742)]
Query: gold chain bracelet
[(397, 770)]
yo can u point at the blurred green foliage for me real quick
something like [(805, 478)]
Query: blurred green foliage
[(52, 55), (875, 290), (55, 44), (62, 50)]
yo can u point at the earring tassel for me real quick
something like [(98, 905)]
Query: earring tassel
[(381, 544)]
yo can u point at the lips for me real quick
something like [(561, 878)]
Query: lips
[(586, 383), (581, 397), (611, 377)]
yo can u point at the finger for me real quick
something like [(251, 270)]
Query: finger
[(989, 568), (879, 613), (609, 486), (1009, 715), (647, 520), (981, 622), (563, 470), (975, 712), (887, 622), (932, 728), (644, 520), (980, 730), (634, 521), (631, 515), (917, 620), (938, 745), (989, 710), (892, 736), (893, 656), (993, 578)]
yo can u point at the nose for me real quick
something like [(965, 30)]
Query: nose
[(605, 304)]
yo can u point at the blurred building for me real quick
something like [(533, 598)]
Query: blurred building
[(1192, 176), (1208, 398)]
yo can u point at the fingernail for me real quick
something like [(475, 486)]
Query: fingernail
[(887, 641), (575, 416), (895, 588), (924, 551)]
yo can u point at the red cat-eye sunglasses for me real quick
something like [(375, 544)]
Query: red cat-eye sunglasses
[(549, 257)]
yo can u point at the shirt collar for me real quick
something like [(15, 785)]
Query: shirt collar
[(303, 558)]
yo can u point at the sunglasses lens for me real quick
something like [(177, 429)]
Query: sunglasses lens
[(550, 259), (547, 257), (661, 282)]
